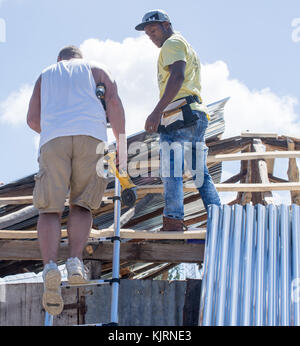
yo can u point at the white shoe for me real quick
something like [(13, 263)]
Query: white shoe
[(77, 272), (52, 299)]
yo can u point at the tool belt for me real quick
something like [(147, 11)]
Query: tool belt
[(178, 114)]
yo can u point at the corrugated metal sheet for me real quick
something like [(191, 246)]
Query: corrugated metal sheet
[(149, 217), (252, 266)]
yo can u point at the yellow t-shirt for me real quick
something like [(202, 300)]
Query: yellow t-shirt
[(176, 48)]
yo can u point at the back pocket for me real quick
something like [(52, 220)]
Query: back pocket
[(40, 195)]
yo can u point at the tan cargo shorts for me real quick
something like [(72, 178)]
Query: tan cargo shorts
[(67, 166)]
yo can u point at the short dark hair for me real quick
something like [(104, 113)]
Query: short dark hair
[(70, 52)]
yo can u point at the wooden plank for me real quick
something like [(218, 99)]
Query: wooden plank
[(21, 305), (145, 189), (293, 173), (191, 307), (259, 135), (234, 156), (259, 187), (245, 197), (138, 234), (108, 232), (260, 175), (171, 251), (231, 187), (254, 156), (15, 200), (29, 200)]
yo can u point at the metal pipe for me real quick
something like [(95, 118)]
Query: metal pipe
[(116, 253), (48, 320)]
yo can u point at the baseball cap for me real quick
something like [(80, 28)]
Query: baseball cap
[(153, 16)]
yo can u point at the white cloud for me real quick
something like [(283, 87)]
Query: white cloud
[(13, 110), (253, 110), (133, 65)]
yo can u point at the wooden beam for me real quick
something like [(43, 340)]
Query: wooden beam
[(106, 233), (274, 179), (259, 187), (29, 200), (145, 189), (260, 175), (245, 197), (172, 252), (293, 173), (258, 135), (15, 200), (234, 156), (235, 178), (270, 162), (254, 156)]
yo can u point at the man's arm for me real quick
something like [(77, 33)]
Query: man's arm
[(34, 110), (114, 110), (173, 86)]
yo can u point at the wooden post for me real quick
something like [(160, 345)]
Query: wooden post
[(260, 175), (245, 197), (293, 173)]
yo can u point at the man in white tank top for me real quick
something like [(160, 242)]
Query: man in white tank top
[(71, 122)]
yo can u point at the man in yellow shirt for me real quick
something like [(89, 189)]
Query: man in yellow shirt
[(180, 117)]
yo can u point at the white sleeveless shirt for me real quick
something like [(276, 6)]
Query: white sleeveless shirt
[(69, 105)]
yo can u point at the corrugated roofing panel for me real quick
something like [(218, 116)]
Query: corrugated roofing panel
[(252, 266)]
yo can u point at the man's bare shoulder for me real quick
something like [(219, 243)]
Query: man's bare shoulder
[(99, 66)]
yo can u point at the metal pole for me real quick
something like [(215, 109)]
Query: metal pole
[(116, 254), (48, 320)]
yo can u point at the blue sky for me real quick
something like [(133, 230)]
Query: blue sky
[(246, 47)]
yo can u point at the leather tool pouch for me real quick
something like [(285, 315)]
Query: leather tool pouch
[(177, 115)]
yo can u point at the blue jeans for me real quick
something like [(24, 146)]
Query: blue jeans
[(189, 144)]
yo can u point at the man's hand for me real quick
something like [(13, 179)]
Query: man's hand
[(174, 84), (153, 122)]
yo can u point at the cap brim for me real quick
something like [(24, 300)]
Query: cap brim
[(142, 26)]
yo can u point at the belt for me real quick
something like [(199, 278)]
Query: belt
[(190, 99)]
